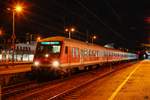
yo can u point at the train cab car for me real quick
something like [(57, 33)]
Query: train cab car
[(60, 54), (47, 55)]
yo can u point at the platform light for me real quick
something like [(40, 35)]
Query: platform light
[(18, 8), (66, 29), (38, 38), (70, 30), (93, 38)]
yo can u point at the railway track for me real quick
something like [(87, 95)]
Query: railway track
[(17, 88), (27, 86), (56, 89), (66, 93)]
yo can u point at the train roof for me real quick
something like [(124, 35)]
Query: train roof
[(54, 38), (61, 38)]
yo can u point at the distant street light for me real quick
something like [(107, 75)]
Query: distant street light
[(1, 32), (70, 30), (38, 39), (93, 38), (17, 9)]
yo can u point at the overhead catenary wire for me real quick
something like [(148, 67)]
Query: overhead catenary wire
[(43, 18), (113, 10), (101, 21), (81, 16)]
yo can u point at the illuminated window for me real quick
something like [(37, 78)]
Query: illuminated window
[(73, 55), (77, 52), (56, 49)]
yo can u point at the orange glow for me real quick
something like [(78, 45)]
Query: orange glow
[(66, 30), (72, 29), (147, 19), (94, 37), (38, 38), (1, 32), (18, 8)]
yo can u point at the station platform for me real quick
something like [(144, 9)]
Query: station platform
[(129, 83), (13, 63), (16, 67)]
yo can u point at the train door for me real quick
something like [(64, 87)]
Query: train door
[(75, 55), (81, 56), (67, 54)]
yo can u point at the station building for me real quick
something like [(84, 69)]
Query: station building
[(23, 52)]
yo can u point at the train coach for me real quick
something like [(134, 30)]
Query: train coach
[(63, 55)]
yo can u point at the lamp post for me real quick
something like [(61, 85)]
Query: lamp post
[(69, 30), (17, 9), (93, 38)]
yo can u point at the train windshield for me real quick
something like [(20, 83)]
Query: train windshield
[(52, 48)]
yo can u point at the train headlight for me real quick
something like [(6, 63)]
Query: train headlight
[(36, 63), (55, 64)]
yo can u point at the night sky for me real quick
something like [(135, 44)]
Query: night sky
[(122, 22)]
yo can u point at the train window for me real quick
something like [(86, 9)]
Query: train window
[(26, 48), (110, 53), (101, 53), (47, 48), (93, 53), (82, 53), (20, 48), (17, 48), (85, 52), (88, 52), (56, 49), (97, 54), (105, 53), (66, 50), (73, 52), (29, 49), (77, 52)]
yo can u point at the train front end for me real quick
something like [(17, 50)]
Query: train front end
[(47, 57)]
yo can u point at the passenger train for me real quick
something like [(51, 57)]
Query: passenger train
[(63, 55)]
